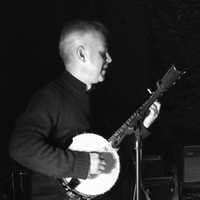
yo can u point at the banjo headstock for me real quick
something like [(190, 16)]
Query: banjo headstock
[(169, 79)]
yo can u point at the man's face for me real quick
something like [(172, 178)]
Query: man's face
[(98, 59)]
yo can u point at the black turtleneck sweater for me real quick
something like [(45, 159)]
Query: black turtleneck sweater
[(55, 113)]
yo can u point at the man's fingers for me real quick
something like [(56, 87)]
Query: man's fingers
[(157, 104), (155, 107)]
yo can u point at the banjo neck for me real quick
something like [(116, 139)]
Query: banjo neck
[(133, 122)]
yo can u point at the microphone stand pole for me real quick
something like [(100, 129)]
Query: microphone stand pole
[(138, 152), (138, 163)]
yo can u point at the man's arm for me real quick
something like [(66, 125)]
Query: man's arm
[(29, 144)]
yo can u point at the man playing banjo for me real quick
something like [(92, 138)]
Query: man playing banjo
[(61, 110)]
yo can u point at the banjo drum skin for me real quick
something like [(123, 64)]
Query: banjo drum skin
[(102, 183)]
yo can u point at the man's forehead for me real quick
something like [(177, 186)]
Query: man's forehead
[(99, 39)]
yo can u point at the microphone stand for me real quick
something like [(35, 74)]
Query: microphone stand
[(134, 124), (167, 80), (138, 152)]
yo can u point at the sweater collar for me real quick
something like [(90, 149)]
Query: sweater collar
[(74, 82)]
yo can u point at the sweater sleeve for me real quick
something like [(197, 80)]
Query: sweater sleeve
[(30, 147)]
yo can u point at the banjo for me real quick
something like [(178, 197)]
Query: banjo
[(85, 189)]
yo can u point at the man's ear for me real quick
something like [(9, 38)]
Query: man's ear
[(81, 53)]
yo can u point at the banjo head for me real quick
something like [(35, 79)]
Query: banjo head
[(105, 181)]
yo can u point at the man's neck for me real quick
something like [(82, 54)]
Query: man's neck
[(80, 78)]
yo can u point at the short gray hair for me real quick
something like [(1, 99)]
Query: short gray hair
[(81, 26)]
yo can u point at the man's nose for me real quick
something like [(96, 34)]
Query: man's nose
[(108, 58)]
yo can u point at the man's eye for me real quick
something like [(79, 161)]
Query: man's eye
[(103, 54)]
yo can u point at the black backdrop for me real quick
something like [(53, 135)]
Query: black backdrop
[(146, 38)]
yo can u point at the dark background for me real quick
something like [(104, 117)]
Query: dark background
[(147, 37)]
